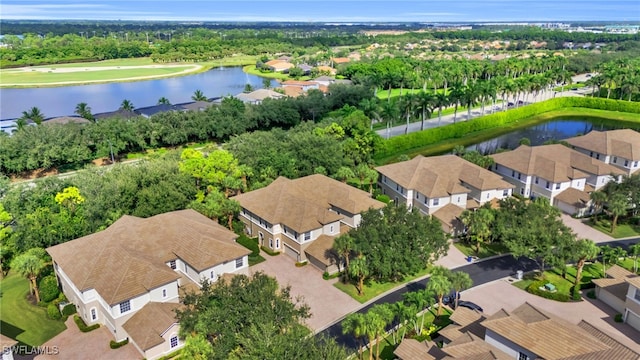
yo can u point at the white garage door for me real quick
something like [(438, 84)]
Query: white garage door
[(290, 251), (633, 320)]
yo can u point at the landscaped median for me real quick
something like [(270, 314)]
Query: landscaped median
[(444, 138)]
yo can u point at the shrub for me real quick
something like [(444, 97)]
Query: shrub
[(328, 276), (325, 275), (534, 289), (251, 244), (82, 326), (68, 309), (618, 318), (591, 294), (48, 288), (575, 293), (383, 198), (269, 251), (301, 263), (53, 312), (117, 344)]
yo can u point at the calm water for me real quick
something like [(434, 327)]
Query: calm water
[(60, 101), (558, 129)]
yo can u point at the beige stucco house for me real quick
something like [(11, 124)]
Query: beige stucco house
[(621, 290), (564, 176), (620, 148), (128, 276), (442, 186), (301, 217)]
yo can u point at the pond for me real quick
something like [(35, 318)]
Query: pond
[(61, 101), (557, 129)]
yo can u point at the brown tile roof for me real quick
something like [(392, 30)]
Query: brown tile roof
[(66, 120), (129, 257), (411, 349), (574, 197), (615, 351), (448, 215), (465, 320), (543, 334), (303, 204), (615, 287), (293, 91), (322, 249), (259, 95), (618, 272), (299, 83), (635, 281), (465, 316), (147, 326), (440, 176), (341, 60), (469, 346), (556, 163), (624, 143)]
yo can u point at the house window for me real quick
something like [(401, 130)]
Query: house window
[(397, 187), (261, 237), (626, 163), (94, 314), (239, 263), (458, 200), (590, 153), (212, 274), (331, 229), (436, 202), (172, 264), (519, 176), (513, 173), (174, 341), (125, 306), (548, 185), (497, 167), (277, 243), (271, 243), (505, 192), (426, 201), (307, 236), (597, 156), (164, 293), (384, 179), (536, 179), (522, 191), (635, 164), (615, 159), (558, 186), (523, 356)]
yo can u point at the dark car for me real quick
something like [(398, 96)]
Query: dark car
[(450, 299), (470, 305)]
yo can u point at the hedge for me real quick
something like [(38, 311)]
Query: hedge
[(117, 344), (48, 289), (82, 326), (269, 251), (53, 312), (68, 309), (403, 143)]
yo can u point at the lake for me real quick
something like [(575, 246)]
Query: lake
[(558, 129), (61, 101)]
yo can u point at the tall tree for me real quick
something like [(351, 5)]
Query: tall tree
[(478, 224), (459, 281), (34, 114), (359, 270), (84, 110), (30, 264), (355, 324), (617, 206), (343, 246), (585, 250), (598, 198), (198, 95), (440, 285), (126, 105)]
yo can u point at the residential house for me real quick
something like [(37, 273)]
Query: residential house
[(526, 333), (258, 96), (126, 114), (279, 65), (65, 120), (442, 186), (160, 108), (324, 69), (302, 217), (621, 291), (7, 346), (128, 276), (303, 85), (306, 69), (555, 172), (340, 60), (620, 148)]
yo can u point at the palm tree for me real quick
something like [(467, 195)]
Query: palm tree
[(371, 108), (30, 264), (470, 96), (441, 100), (379, 316), (617, 206), (164, 101), (426, 102), (126, 105), (389, 113), (408, 103), (478, 224), (344, 173), (198, 96), (355, 324), (34, 114), (459, 281), (84, 111), (359, 270), (343, 245), (439, 285), (598, 198), (456, 96), (634, 250), (584, 250)]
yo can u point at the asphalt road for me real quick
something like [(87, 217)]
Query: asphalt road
[(481, 272)]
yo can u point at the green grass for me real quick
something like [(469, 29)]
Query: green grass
[(621, 230), (374, 288), (251, 244), (563, 286), (251, 69), (38, 78), (630, 120), (20, 320), (486, 250)]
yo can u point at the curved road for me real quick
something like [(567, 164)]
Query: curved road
[(481, 272)]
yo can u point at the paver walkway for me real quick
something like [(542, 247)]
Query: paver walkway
[(585, 231), (327, 303), (501, 294), (74, 344), (454, 258)]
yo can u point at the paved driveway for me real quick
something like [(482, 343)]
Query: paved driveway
[(501, 294), (585, 231), (327, 303), (74, 344)]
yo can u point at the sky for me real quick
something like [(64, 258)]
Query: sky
[(326, 11)]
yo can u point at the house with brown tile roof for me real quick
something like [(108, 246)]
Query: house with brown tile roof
[(113, 274), (620, 148), (304, 85), (279, 65), (528, 333), (621, 291), (258, 96), (442, 186), (291, 215), (551, 170)]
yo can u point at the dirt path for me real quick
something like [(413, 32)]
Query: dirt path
[(192, 68)]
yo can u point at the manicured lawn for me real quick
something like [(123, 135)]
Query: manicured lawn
[(485, 250), (621, 230), (563, 286), (19, 319), (251, 244), (374, 288), (251, 69)]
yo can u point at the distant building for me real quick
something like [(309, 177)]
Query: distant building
[(258, 96)]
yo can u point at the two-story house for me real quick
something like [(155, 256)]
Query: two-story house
[(621, 291), (290, 215), (620, 148), (127, 277), (526, 333), (555, 172), (442, 186)]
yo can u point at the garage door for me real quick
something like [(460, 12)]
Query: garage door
[(291, 252), (633, 320)]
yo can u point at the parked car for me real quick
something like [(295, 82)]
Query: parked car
[(450, 299), (510, 104), (470, 305)]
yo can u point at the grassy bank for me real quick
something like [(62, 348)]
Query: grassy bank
[(22, 321), (251, 69), (443, 139)]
